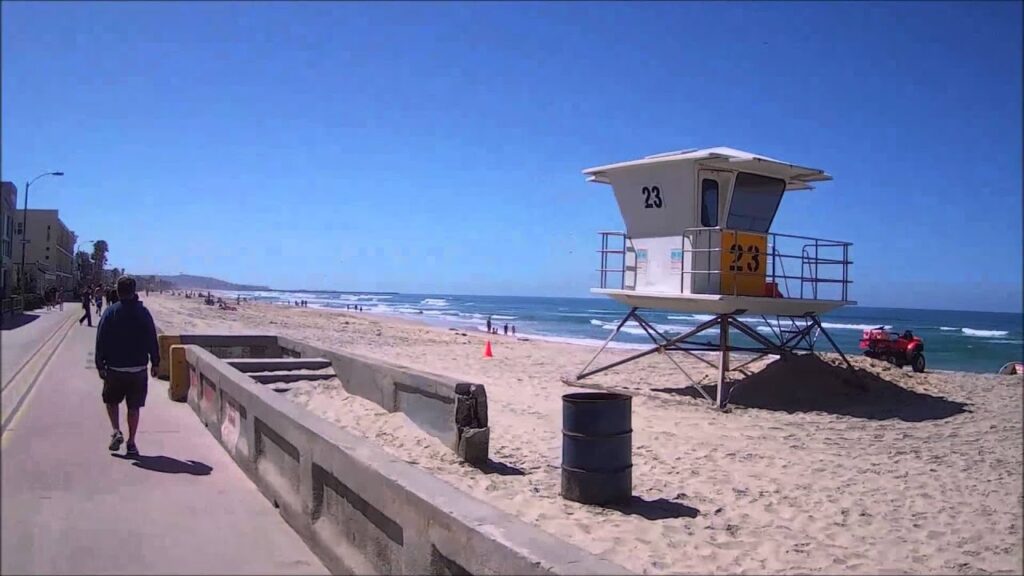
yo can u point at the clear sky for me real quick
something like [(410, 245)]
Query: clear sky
[(438, 147)]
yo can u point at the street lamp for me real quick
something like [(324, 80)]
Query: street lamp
[(78, 270), (24, 227)]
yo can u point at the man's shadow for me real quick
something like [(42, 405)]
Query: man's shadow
[(166, 464)]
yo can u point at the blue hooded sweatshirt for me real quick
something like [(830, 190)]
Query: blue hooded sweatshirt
[(126, 336)]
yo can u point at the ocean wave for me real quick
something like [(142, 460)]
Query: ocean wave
[(700, 318), (632, 327), (1018, 342), (585, 341), (984, 333), (947, 328), (697, 317), (500, 317), (837, 326), (434, 302), (360, 297)]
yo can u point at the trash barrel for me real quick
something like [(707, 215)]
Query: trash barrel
[(597, 443)]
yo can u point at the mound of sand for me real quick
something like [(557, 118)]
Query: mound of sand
[(812, 383)]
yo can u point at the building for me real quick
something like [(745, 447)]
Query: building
[(49, 256), (8, 208)]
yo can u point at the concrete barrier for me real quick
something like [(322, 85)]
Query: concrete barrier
[(454, 412), (359, 509), (178, 388), (236, 346)]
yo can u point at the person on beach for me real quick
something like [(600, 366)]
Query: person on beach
[(513, 329), (506, 328), (488, 324), (125, 342), (86, 298)]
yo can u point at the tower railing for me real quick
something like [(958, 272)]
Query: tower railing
[(824, 264), (609, 250)]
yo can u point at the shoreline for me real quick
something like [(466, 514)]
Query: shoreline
[(801, 477), (981, 349)]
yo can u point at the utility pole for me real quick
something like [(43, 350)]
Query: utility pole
[(24, 229)]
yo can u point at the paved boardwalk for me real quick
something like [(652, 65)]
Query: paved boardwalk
[(20, 336), (69, 506)]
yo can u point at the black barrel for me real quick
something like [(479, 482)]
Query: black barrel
[(597, 447)]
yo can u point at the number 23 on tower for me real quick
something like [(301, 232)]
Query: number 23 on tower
[(743, 263)]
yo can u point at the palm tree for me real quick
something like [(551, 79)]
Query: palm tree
[(99, 259)]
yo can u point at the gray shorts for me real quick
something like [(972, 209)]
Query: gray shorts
[(130, 387)]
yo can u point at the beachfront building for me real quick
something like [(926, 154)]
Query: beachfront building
[(8, 208), (49, 261)]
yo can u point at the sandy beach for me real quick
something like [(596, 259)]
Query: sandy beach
[(920, 474)]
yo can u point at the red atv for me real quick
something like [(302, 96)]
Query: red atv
[(898, 349)]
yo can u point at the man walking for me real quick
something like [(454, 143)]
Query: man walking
[(86, 298), (98, 296), (125, 342)]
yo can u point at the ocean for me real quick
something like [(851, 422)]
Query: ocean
[(954, 340)]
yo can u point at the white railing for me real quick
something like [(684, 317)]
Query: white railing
[(824, 265)]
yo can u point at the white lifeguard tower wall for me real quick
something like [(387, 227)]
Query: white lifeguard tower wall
[(676, 205)]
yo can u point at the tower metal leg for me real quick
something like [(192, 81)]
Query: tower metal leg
[(662, 344), (723, 359), (607, 342), (816, 322), (704, 326)]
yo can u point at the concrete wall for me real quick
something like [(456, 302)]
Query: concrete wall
[(360, 510), (454, 412), (232, 346)]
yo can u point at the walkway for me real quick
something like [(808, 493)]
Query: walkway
[(21, 335), (69, 506)]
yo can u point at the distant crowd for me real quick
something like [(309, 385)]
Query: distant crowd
[(493, 328), (92, 295), (209, 299)]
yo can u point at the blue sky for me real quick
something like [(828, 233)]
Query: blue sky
[(438, 147)]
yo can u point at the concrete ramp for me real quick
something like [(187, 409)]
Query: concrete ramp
[(283, 377), (247, 365), (455, 412)]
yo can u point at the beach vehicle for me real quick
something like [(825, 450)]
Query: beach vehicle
[(894, 348), (699, 239), (1011, 368)]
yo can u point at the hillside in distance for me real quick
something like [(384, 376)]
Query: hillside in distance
[(190, 282)]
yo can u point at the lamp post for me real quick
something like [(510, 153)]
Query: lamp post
[(78, 270), (24, 228)]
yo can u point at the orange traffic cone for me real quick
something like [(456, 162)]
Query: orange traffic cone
[(487, 350)]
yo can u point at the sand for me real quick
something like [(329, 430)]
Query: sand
[(922, 473)]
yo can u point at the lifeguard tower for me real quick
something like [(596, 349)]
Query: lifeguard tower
[(698, 239)]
